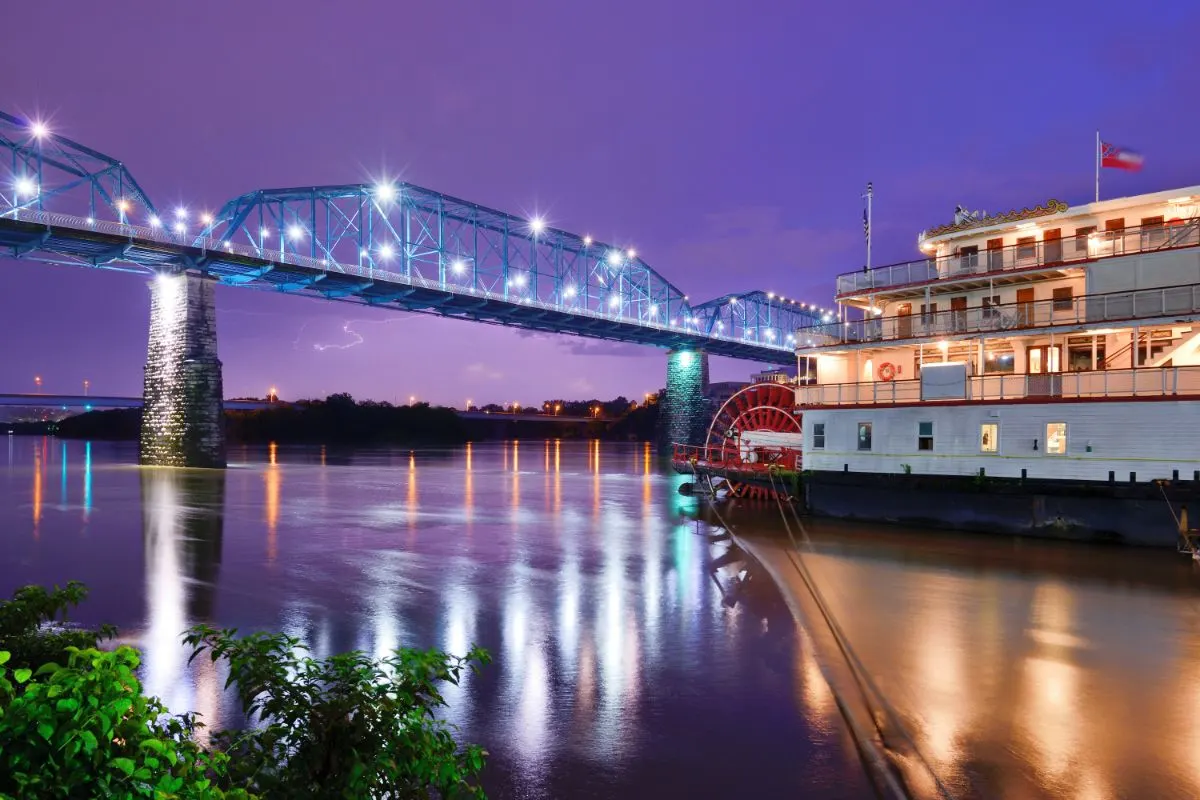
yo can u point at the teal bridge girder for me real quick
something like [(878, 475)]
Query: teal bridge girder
[(391, 245)]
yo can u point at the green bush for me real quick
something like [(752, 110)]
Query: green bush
[(347, 726), (344, 726), (86, 730), (33, 625)]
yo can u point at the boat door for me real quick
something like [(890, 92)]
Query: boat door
[(1052, 246), (1024, 307), (904, 320), (958, 313)]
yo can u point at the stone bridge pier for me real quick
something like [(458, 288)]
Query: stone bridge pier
[(183, 415), (686, 413)]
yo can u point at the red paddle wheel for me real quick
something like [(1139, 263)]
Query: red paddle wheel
[(758, 407)]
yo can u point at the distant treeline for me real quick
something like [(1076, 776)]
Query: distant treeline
[(338, 419)]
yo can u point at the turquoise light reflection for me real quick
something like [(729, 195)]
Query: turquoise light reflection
[(87, 480)]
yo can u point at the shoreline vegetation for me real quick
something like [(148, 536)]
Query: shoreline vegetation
[(75, 722), (339, 419)]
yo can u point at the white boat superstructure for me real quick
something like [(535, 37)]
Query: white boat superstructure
[(1052, 342)]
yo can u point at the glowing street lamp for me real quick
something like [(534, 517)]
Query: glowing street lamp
[(272, 395), (86, 385), (385, 192), (37, 381)]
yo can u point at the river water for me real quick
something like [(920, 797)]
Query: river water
[(629, 660), (626, 664)]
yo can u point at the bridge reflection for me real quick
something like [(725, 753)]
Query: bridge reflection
[(183, 513)]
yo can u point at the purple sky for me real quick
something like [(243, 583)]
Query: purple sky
[(729, 143)]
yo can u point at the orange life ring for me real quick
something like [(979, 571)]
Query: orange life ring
[(887, 371)]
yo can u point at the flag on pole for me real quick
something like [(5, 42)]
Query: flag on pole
[(1117, 157), (866, 214)]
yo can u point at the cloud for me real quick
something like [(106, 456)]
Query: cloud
[(481, 370)]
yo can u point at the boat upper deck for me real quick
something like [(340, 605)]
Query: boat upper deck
[(1021, 260)]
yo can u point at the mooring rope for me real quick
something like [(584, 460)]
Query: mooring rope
[(871, 694)]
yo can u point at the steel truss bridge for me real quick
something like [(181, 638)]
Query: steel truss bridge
[(388, 244)]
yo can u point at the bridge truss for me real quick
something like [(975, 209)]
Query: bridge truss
[(387, 244)]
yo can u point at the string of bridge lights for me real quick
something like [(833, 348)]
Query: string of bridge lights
[(386, 193)]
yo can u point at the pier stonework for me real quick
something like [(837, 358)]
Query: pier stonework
[(183, 416), (687, 412)]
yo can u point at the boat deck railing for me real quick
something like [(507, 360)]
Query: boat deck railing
[(729, 455), (1066, 309), (1085, 385), (1083, 245)]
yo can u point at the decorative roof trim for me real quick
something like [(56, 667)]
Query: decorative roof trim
[(1051, 206)]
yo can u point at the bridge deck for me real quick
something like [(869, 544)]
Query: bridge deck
[(72, 241)]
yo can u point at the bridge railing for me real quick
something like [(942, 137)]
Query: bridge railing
[(165, 235)]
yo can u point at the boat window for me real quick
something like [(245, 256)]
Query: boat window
[(989, 307), (989, 437), (924, 435), (818, 435), (1056, 438), (999, 361), (1062, 299), (1081, 238), (1026, 248), (864, 436)]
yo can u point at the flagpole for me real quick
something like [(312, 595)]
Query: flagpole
[(870, 192), (1097, 166)]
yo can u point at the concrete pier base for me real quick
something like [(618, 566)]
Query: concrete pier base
[(183, 415), (686, 413)]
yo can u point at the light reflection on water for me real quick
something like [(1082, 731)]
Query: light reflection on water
[(618, 670), (1024, 668)]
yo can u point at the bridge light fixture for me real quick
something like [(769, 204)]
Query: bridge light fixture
[(155, 222), (26, 187), (569, 292), (770, 295), (458, 266), (631, 254), (264, 233), (181, 213), (733, 301), (206, 218), (537, 225), (519, 280), (386, 250), (654, 310), (295, 232), (180, 227), (91, 220), (614, 257), (385, 192), (39, 129), (123, 205), (587, 241), (614, 301)]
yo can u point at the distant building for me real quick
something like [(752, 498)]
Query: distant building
[(804, 373), (721, 391)]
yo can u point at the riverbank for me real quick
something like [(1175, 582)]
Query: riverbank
[(339, 420)]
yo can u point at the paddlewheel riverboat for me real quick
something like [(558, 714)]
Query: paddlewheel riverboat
[(1037, 371)]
